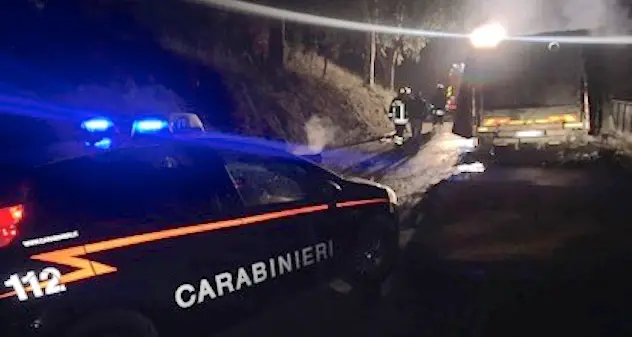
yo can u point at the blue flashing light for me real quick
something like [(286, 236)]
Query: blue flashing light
[(97, 124), (149, 125), (103, 144)]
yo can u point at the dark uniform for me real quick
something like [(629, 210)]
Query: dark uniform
[(417, 113), (438, 101)]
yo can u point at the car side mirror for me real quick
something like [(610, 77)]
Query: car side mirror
[(330, 190)]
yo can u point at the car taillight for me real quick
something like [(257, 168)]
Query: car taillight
[(10, 217)]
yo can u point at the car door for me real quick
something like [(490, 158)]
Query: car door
[(280, 190), (336, 226), (237, 257)]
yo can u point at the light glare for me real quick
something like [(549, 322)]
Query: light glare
[(488, 36)]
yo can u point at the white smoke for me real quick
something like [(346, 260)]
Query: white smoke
[(538, 16), (126, 100), (320, 133), (590, 14)]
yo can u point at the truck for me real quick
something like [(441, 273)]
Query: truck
[(525, 95)]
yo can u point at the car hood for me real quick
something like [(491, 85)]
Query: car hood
[(391, 193), (303, 150)]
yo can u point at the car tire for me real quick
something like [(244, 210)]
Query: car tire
[(114, 324), (374, 256)]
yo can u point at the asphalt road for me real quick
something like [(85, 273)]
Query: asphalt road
[(509, 250)]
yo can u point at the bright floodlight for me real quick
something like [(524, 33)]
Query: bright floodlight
[(488, 36)]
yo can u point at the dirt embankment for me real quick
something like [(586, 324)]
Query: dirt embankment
[(300, 105)]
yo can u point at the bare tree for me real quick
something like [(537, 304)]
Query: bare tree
[(276, 45), (434, 15), (371, 14)]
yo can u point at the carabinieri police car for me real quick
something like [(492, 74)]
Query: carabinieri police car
[(180, 236)]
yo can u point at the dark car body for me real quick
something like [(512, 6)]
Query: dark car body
[(189, 235)]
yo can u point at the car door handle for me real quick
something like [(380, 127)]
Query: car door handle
[(335, 185), (331, 192)]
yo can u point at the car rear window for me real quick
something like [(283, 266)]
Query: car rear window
[(12, 183)]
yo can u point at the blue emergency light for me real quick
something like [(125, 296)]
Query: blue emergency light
[(149, 125), (98, 124), (103, 144)]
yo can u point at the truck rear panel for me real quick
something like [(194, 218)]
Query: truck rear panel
[(525, 93)]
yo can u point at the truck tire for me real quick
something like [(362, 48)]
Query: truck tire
[(119, 323)]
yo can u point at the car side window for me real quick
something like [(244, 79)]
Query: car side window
[(265, 181), (127, 185), (155, 180)]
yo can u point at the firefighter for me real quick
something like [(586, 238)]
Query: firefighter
[(417, 114), (438, 102), (398, 113)]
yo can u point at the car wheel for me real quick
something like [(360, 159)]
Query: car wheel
[(114, 324), (374, 255)]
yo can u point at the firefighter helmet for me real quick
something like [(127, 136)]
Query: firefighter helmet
[(405, 91)]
